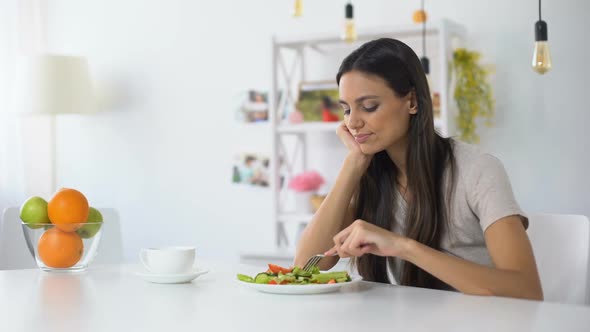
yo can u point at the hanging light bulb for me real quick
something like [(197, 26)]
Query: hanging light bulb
[(349, 27), (541, 56), (419, 15), (298, 9), (426, 66)]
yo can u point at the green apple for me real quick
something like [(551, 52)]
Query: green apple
[(34, 212), (93, 224)]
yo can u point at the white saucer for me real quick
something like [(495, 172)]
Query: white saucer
[(170, 278)]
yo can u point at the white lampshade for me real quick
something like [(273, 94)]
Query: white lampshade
[(58, 84)]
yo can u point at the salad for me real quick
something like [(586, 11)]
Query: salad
[(276, 275)]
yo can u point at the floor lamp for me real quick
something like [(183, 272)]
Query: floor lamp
[(59, 84)]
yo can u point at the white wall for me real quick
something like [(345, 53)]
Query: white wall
[(163, 155), (10, 181)]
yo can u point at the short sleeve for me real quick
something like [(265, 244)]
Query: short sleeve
[(489, 193)]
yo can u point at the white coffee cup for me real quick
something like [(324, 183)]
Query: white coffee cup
[(168, 260)]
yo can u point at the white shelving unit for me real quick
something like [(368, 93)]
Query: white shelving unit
[(308, 127), (444, 32)]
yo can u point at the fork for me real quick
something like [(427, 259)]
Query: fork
[(313, 260)]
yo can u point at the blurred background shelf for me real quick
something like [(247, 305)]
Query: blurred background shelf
[(308, 127)]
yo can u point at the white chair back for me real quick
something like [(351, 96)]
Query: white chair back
[(14, 253), (561, 244)]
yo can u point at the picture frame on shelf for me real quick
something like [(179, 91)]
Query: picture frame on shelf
[(318, 101), (251, 169), (254, 107)]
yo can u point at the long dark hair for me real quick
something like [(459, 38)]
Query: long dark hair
[(428, 156)]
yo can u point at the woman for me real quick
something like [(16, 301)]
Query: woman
[(408, 204)]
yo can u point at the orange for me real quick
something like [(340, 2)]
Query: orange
[(68, 207), (419, 16), (60, 249)]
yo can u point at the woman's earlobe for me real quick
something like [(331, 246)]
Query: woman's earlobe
[(413, 104), (413, 107)]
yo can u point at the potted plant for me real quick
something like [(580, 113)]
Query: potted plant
[(472, 93)]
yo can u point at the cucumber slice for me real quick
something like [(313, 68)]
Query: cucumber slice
[(245, 278), (262, 278)]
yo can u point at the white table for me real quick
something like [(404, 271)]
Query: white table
[(112, 298)]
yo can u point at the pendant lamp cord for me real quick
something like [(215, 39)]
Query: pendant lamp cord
[(424, 32)]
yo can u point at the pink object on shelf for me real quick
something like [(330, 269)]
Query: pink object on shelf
[(307, 181), (295, 117)]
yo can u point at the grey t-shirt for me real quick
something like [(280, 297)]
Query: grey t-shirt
[(482, 195)]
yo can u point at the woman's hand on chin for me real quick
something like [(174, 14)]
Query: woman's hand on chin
[(355, 154)]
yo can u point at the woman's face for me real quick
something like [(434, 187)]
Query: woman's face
[(373, 113)]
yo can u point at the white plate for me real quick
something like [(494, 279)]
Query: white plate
[(170, 278), (299, 289)]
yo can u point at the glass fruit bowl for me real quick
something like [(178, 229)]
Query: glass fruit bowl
[(63, 247)]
